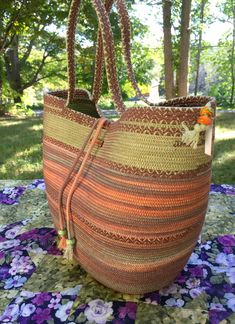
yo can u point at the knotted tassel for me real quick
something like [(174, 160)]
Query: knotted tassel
[(68, 253), (191, 137), (62, 243)]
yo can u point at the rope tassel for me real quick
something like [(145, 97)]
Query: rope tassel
[(191, 137), (68, 253)]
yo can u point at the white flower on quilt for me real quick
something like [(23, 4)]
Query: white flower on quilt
[(21, 265), (217, 307), (194, 259), (9, 244), (15, 282), (41, 186), (230, 300), (231, 304), (195, 292), (7, 191), (27, 310), (54, 303), (231, 275), (16, 254), (227, 260), (172, 289), (98, 311), (28, 294), (63, 312), (11, 233), (10, 314), (206, 245), (72, 291), (175, 302), (193, 283)]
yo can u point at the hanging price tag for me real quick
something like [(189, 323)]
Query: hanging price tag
[(208, 140)]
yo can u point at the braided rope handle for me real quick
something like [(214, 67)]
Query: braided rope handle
[(109, 54), (99, 61), (126, 44)]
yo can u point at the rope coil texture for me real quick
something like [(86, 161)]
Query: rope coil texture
[(129, 197)]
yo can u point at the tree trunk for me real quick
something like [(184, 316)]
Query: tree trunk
[(12, 64), (184, 48), (2, 106), (168, 57), (232, 61), (199, 48)]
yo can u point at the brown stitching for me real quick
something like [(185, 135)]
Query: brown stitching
[(138, 240)]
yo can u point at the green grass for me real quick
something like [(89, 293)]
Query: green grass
[(224, 153), (21, 149)]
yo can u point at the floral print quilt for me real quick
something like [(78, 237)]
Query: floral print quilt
[(37, 285)]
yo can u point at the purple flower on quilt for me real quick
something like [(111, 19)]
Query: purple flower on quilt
[(41, 315), (197, 271), (217, 189), (9, 196), (228, 288), (128, 310), (204, 256), (180, 279), (37, 184), (227, 240), (53, 249), (15, 282), (216, 316), (32, 234), (2, 254), (213, 289), (40, 298), (4, 272), (2, 238), (228, 249)]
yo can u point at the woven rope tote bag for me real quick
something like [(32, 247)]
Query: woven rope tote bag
[(129, 197)]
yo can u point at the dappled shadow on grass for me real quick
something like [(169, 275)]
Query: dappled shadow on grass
[(224, 161), (21, 149), (225, 119)]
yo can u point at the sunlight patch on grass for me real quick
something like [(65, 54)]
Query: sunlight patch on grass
[(224, 134)]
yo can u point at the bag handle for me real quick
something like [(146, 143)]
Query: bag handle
[(126, 44), (107, 40)]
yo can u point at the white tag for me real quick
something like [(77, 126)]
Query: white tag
[(208, 140)]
